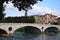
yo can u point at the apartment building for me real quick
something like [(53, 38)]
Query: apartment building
[(47, 18)]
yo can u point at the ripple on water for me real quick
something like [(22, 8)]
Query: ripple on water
[(40, 37)]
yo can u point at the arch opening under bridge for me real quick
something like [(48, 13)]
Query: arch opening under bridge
[(2, 32), (51, 30), (29, 30)]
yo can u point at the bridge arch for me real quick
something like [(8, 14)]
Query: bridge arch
[(2, 31), (30, 29), (51, 29)]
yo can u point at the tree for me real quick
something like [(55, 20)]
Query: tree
[(20, 4), (2, 8), (1, 16), (24, 4), (1, 11)]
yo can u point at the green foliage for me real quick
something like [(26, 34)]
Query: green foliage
[(21, 4), (1, 16), (24, 4), (1, 11), (18, 20)]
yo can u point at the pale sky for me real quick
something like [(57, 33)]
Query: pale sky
[(40, 8)]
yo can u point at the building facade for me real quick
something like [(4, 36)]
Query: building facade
[(58, 20), (47, 18)]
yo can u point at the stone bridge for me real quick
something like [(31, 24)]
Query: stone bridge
[(15, 26)]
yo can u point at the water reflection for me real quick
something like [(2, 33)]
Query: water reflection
[(40, 37), (51, 33), (53, 37)]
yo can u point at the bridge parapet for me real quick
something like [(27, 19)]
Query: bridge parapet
[(5, 26)]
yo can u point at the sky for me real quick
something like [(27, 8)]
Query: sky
[(40, 8)]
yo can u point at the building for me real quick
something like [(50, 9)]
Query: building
[(47, 18), (58, 20), (50, 18), (36, 18)]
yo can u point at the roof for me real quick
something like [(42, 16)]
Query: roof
[(51, 15)]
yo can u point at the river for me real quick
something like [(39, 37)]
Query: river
[(40, 37)]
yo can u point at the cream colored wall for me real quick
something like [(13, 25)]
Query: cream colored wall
[(15, 26)]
